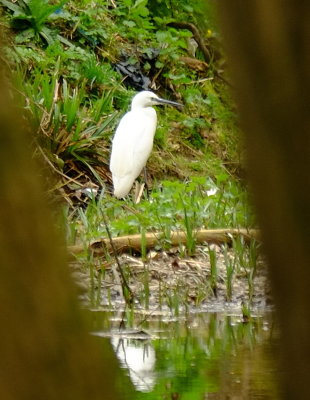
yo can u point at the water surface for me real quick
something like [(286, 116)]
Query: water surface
[(204, 355)]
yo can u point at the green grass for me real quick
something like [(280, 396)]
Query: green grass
[(171, 206), (213, 270)]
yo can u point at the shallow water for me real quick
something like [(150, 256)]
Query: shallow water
[(204, 355)]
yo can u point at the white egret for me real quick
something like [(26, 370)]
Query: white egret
[(133, 141)]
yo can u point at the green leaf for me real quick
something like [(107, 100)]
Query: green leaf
[(12, 6), (162, 36), (47, 34), (24, 36), (130, 24), (159, 64), (139, 3), (188, 8)]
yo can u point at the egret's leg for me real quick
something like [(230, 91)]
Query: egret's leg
[(138, 192), (145, 180), (139, 188)]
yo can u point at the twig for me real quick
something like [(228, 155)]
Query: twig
[(201, 44), (46, 116), (191, 27), (55, 169), (199, 81)]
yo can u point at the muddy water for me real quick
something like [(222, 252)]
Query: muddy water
[(204, 355)]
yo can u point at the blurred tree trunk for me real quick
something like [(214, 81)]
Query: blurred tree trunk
[(45, 349), (268, 47)]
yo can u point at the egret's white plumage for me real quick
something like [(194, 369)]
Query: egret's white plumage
[(133, 141)]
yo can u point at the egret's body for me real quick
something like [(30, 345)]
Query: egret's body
[(133, 141)]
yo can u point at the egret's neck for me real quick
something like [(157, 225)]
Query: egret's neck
[(139, 105), (148, 110)]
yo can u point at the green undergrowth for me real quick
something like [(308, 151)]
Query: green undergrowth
[(62, 57), (171, 205)]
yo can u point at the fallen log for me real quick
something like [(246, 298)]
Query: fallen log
[(150, 240)]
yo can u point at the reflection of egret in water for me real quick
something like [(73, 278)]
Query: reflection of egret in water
[(139, 358)]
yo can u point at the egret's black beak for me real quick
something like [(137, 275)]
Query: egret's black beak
[(164, 101)]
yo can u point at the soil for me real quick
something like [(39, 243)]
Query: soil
[(168, 281)]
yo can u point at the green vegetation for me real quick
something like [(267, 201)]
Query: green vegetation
[(65, 57), (65, 60), (199, 203)]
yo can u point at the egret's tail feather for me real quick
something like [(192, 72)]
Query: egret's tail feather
[(122, 186)]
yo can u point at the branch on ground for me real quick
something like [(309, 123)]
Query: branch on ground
[(123, 244)]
